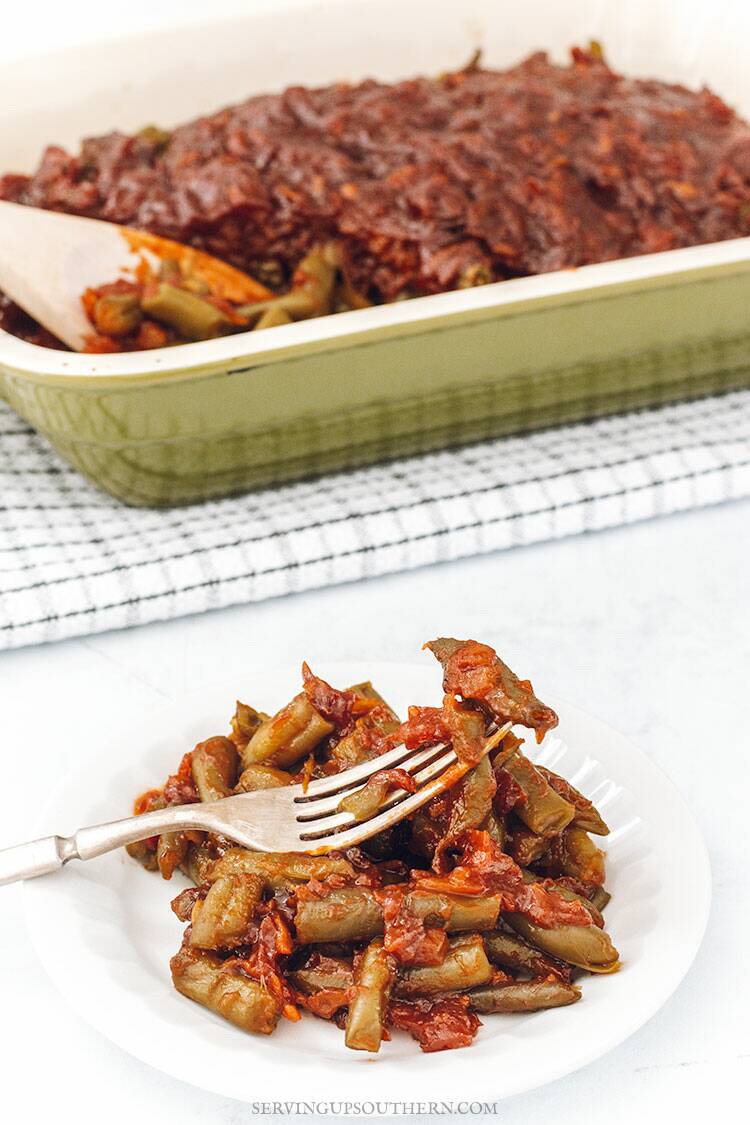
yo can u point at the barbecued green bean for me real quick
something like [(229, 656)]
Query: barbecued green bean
[(144, 854), (361, 743), (526, 846), (221, 920), (373, 978), (202, 977), (523, 996), (245, 722), (189, 315), (478, 273), (141, 850), (279, 869), (600, 898), (544, 811), (465, 966), (587, 816), (354, 914), (262, 777), (198, 862), (272, 318), (495, 825), (365, 802), (215, 768), (332, 973), (170, 852), (568, 894), (117, 314), (425, 834), (288, 735), (347, 298), (349, 914), (154, 136), (587, 947), (311, 292), (454, 912), (512, 953), (473, 801), (578, 856)]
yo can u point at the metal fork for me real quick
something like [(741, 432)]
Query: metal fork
[(289, 819)]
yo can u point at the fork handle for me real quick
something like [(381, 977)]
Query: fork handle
[(45, 856)]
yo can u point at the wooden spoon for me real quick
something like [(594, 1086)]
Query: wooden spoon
[(48, 259)]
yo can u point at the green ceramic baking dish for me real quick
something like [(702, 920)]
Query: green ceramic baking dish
[(207, 419)]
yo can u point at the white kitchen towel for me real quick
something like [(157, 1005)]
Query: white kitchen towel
[(74, 561)]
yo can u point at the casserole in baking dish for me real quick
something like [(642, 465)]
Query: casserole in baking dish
[(206, 418)]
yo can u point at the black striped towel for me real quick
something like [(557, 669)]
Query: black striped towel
[(74, 561)]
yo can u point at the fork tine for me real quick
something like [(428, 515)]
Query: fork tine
[(321, 806), (368, 828), (385, 818), (323, 826), (347, 778)]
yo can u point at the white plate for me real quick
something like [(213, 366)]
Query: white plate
[(113, 932)]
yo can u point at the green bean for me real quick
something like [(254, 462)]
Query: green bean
[(578, 856), (364, 803), (154, 136), (354, 914), (473, 802), (272, 318), (425, 834), (288, 735), (245, 722), (221, 920), (478, 273), (198, 863), (497, 688), (349, 914), (202, 977), (361, 743), (170, 270), (347, 298), (568, 894), (279, 869), (587, 947), (388, 844), (262, 777), (455, 912), (465, 966), (526, 846), (215, 768), (373, 978), (509, 951), (332, 973), (189, 315), (170, 852), (495, 825), (600, 898), (196, 285), (144, 854), (544, 811), (587, 816), (269, 272), (117, 314), (523, 996), (311, 292)]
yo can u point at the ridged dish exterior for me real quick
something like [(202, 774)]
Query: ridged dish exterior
[(188, 434)]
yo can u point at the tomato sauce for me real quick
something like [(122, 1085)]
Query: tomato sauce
[(426, 184)]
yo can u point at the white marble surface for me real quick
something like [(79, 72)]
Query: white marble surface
[(621, 623), (647, 627)]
